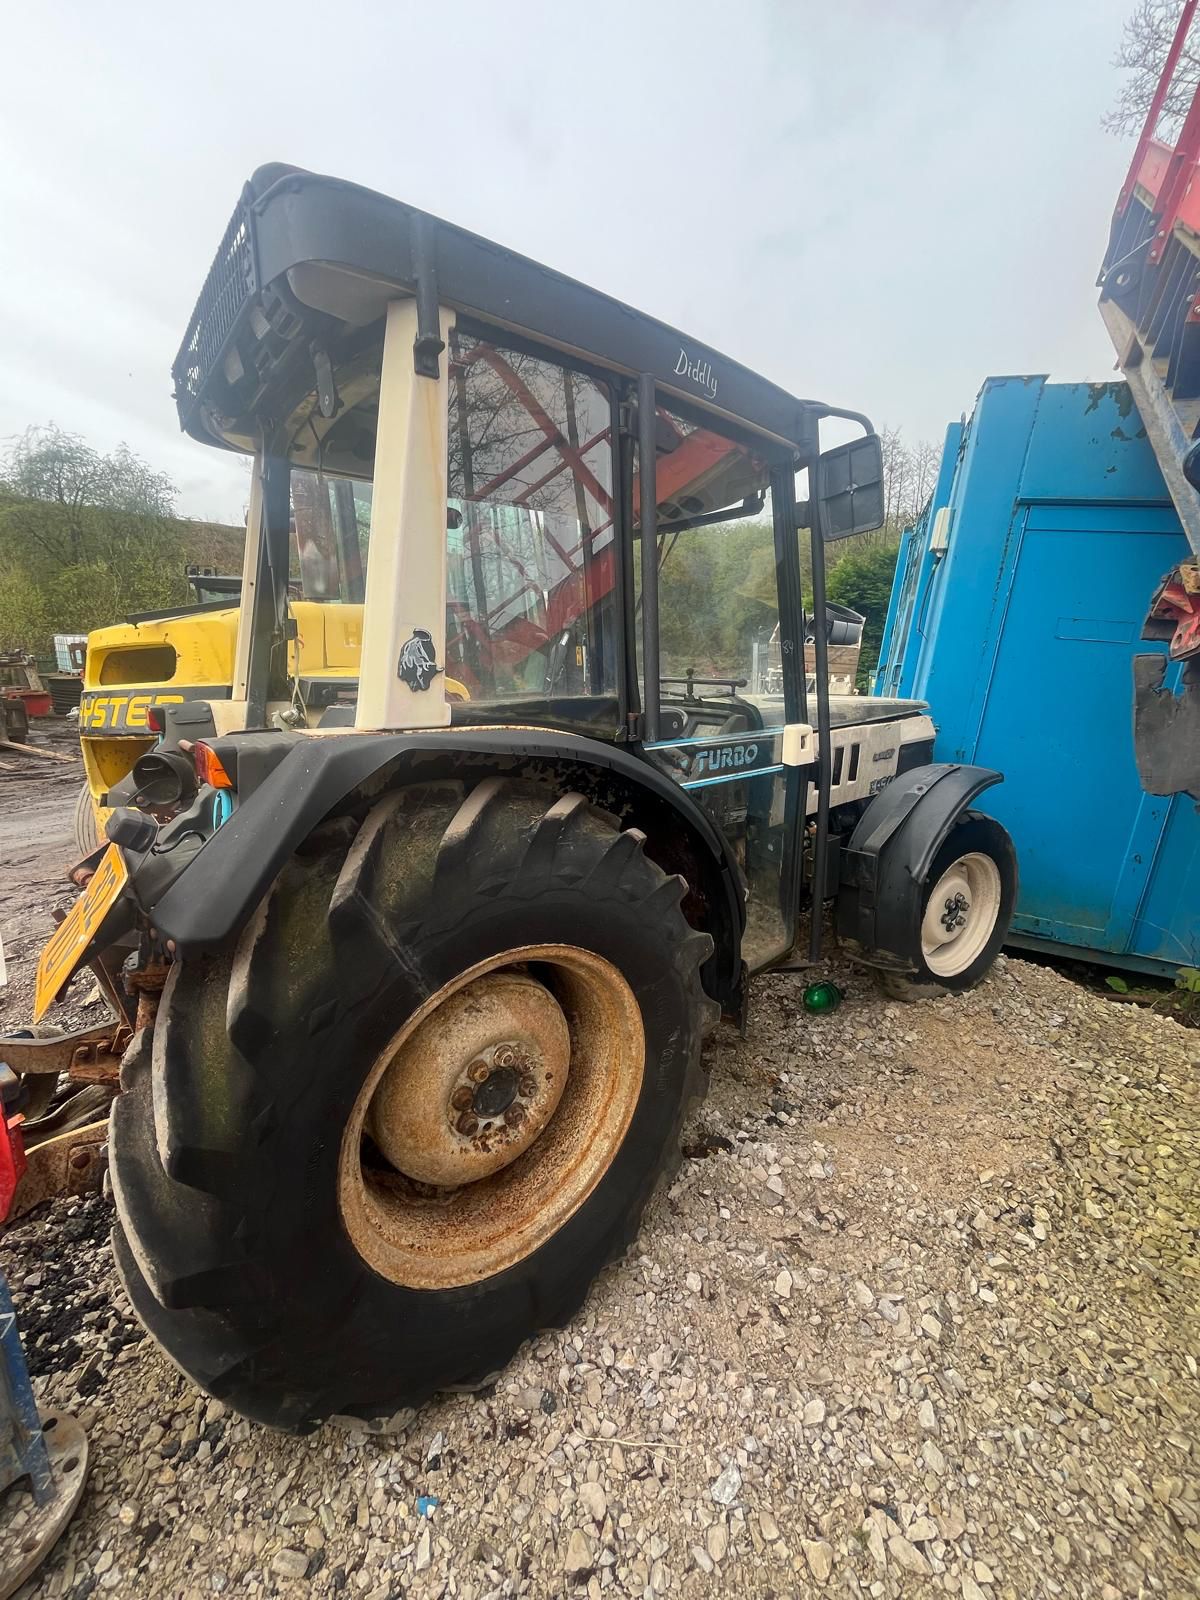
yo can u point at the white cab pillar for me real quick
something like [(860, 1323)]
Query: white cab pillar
[(404, 617)]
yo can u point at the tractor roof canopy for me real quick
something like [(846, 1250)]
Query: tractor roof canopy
[(294, 303)]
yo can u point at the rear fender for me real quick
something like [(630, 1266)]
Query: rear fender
[(886, 863), (343, 774)]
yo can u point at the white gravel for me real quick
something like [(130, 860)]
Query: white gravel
[(918, 1314)]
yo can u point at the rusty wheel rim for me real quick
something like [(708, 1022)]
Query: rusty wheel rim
[(490, 1116)]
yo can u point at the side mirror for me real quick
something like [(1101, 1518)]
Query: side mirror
[(850, 487)]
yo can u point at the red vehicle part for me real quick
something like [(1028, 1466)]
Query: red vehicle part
[(1150, 302), (1150, 283), (12, 1162), (1175, 613)]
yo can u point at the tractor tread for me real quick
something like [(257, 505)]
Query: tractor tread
[(176, 1234), (218, 1089)]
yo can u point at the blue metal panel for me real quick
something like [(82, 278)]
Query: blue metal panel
[(1079, 449), (916, 563), (22, 1444), (1060, 528), (1054, 718), (1166, 924), (899, 604)]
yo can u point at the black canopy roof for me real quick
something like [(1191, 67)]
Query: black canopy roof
[(308, 264)]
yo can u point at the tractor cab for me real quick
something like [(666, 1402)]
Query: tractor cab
[(412, 960), (481, 452)]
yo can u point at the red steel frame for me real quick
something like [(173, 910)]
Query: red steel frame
[(1146, 138), (590, 580), (1167, 175)]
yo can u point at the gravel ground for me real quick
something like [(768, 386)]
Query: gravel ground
[(919, 1313)]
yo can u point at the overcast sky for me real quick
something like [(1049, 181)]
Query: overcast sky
[(877, 204)]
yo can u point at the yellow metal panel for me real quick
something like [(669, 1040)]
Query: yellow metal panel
[(203, 650), (343, 636), (62, 951)]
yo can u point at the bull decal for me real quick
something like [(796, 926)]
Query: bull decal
[(418, 660)]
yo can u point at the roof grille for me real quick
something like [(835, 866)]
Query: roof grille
[(232, 281)]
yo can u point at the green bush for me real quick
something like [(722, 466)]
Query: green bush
[(862, 580)]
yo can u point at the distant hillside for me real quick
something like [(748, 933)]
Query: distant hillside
[(212, 544), (72, 568)]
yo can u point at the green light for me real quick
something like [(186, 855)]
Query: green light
[(823, 996)]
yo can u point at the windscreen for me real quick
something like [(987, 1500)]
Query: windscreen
[(718, 601)]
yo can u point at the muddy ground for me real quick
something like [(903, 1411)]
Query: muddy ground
[(37, 799)]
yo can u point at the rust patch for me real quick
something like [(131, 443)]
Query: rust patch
[(72, 1163), (443, 1113), (434, 1236)]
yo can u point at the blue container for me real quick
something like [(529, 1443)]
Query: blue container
[(1016, 611)]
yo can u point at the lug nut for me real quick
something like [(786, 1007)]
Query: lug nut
[(467, 1125), (461, 1098), (529, 1086), (478, 1071), (515, 1115), (505, 1056)]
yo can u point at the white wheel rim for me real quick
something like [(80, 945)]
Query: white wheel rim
[(960, 914)]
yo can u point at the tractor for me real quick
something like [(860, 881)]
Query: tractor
[(413, 966)]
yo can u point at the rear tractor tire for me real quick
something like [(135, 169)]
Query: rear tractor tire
[(406, 1121)]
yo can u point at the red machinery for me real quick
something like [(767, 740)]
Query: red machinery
[(1150, 301), (12, 1159), (19, 681), (502, 632)]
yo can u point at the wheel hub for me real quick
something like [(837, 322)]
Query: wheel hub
[(487, 1120), (472, 1088), (960, 914), (493, 1089), (497, 1092), (954, 914)]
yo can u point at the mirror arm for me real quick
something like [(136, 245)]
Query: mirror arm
[(864, 422)]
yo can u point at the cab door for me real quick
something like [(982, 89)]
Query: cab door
[(731, 729)]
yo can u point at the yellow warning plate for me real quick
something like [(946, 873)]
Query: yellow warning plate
[(60, 954)]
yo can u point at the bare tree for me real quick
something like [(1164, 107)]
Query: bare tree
[(897, 472), (1144, 45), (909, 474), (925, 458)]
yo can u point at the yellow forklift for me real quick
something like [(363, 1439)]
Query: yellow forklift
[(185, 653), (413, 981)]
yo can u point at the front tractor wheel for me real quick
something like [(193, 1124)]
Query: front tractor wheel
[(402, 1125), (966, 907)]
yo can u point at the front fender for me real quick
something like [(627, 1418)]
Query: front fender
[(885, 865), (324, 776)]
